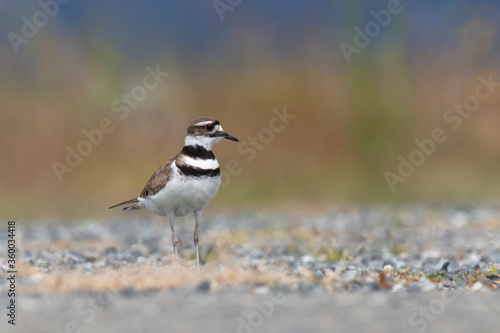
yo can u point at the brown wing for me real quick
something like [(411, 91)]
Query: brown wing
[(158, 179)]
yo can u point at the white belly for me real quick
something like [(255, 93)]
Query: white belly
[(182, 195)]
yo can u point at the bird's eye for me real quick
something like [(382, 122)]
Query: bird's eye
[(209, 127)]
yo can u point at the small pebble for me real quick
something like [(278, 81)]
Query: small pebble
[(398, 287), (389, 270), (375, 266), (415, 287), (477, 286), (203, 287), (264, 290), (452, 258)]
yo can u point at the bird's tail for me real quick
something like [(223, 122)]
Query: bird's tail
[(138, 204)]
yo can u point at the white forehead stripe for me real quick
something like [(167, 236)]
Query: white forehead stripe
[(203, 123)]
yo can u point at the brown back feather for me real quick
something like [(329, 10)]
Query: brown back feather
[(158, 179)]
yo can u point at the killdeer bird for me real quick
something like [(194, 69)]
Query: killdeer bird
[(186, 183)]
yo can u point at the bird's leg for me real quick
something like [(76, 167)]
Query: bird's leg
[(197, 217), (171, 220)]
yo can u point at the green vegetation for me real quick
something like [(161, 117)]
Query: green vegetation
[(352, 122)]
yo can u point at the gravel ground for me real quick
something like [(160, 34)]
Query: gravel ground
[(410, 269)]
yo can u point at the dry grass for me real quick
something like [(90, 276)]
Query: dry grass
[(62, 245), (148, 275)]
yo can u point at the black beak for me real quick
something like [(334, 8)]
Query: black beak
[(230, 137)]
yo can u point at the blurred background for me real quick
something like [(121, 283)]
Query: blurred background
[(64, 67)]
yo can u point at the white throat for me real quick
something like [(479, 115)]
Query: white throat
[(200, 140)]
